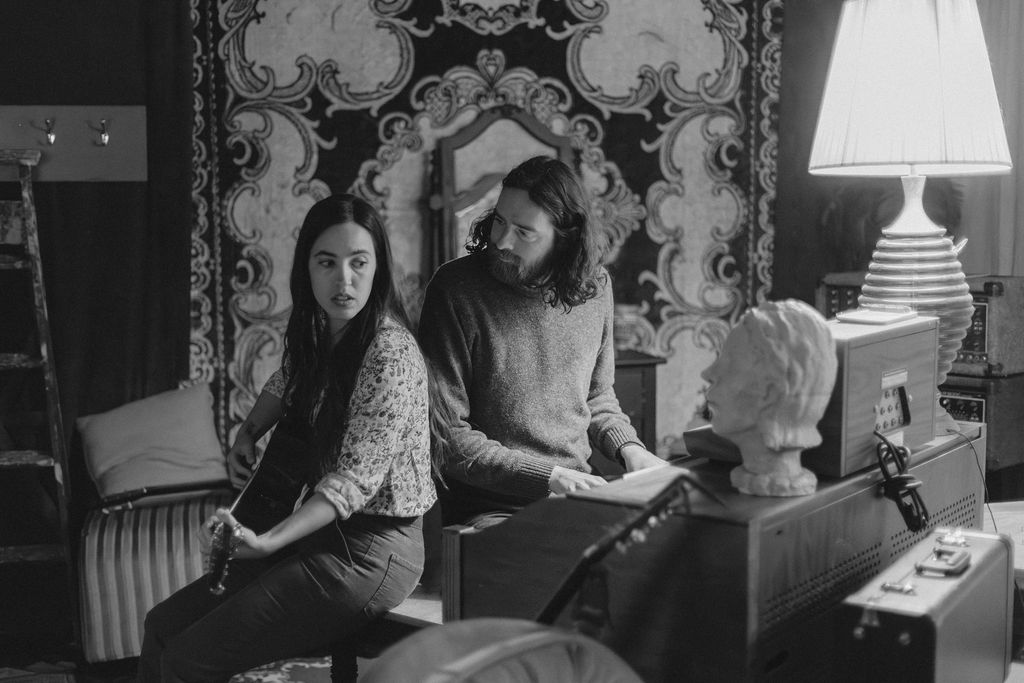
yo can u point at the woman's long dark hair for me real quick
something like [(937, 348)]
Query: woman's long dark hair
[(576, 266), (317, 369)]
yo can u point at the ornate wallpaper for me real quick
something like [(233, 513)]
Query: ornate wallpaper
[(670, 106)]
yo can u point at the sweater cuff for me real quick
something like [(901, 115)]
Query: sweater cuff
[(617, 437), (536, 478), (618, 452)]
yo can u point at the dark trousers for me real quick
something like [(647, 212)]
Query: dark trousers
[(323, 589), (475, 507)]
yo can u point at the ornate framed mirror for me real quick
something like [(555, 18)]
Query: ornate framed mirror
[(470, 164)]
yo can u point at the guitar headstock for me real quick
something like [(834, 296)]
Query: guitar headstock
[(222, 547)]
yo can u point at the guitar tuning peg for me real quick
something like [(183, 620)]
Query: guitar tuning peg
[(622, 547), (638, 535)]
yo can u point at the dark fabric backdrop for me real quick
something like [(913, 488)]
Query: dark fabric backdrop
[(115, 255), (671, 108)]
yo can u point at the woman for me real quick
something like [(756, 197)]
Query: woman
[(353, 376)]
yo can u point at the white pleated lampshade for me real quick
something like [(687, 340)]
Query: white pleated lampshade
[(909, 92)]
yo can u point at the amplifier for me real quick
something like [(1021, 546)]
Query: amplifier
[(885, 383), (996, 401), (942, 612), (838, 292), (737, 587), (994, 345)]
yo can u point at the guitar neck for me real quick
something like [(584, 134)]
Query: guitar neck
[(244, 492), (596, 552)]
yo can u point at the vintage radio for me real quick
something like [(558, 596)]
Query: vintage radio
[(994, 345), (996, 401), (942, 612), (886, 382)]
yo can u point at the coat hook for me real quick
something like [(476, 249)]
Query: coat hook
[(51, 137), (104, 135)]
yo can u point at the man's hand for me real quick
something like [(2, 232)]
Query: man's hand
[(637, 457), (563, 480), (241, 458)]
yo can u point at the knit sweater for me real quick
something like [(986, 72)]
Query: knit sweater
[(531, 385)]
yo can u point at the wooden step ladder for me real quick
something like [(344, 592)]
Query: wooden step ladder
[(31, 425)]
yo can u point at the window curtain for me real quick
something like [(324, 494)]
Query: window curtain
[(993, 206)]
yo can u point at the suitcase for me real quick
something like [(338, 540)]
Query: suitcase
[(941, 612)]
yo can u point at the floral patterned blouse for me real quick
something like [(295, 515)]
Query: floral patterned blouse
[(382, 466)]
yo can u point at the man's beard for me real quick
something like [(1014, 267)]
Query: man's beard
[(511, 270)]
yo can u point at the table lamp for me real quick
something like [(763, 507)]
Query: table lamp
[(909, 93)]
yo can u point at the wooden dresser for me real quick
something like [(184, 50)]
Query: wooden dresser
[(636, 389)]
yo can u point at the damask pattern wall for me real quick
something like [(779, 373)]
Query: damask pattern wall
[(670, 105)]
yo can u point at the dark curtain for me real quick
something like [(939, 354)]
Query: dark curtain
[(115, 254)]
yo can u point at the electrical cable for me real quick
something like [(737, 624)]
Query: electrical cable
[(901, 487)]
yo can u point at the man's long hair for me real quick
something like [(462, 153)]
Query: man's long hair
[(322, 370), (576, 273)]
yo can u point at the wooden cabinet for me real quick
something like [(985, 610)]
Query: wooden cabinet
[(636, 389)]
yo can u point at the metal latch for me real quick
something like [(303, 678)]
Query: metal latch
[(945, 561)]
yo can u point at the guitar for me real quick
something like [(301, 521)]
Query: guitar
[(267, 497), (633, 530), (482, 648)]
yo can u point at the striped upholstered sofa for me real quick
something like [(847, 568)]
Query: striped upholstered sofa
[(158, 468), (140, 543), (131, 559)]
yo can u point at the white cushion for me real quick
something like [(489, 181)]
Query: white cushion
[(168, 438)]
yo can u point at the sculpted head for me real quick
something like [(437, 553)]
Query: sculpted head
[(771, 384)]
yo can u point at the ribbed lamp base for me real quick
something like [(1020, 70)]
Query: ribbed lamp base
[(920, 268), (924, 274)]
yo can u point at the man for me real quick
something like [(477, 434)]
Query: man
[(519, 337)]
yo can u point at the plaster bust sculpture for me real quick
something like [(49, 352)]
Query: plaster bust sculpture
[(767, 391)]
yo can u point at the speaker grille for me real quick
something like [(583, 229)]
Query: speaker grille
[(958, 513), (811, 559), (820, 591)]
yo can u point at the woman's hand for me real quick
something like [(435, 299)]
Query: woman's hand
[(248, 545), (563, 480), (241, 458)]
